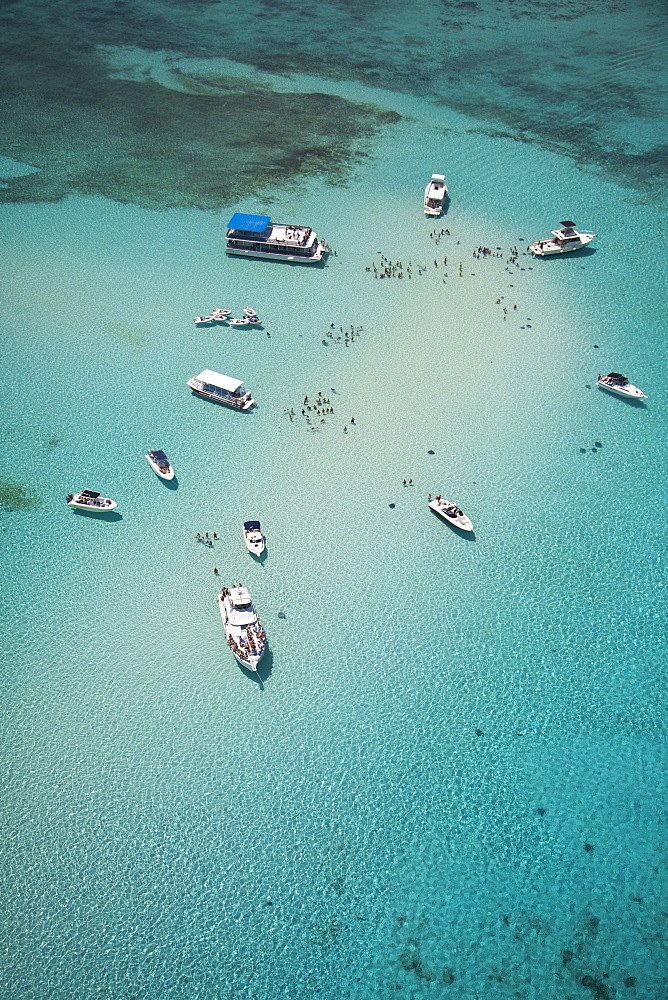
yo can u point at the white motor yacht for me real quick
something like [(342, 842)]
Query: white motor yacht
[(90, 500), (245, 635), (451, 513), (563, 241), (620, 386), (258, 236), (435, 194), (253, 537), (221, 389), (159, 463)]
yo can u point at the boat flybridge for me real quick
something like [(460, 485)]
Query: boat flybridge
[(451, 513), (435, 194), (620, 386), (90, 500), (221, 389), (258, 236), (564, 240), (253, 537), (159, 463), (245, 635)]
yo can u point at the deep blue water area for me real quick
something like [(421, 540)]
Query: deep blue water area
[(448, 779)]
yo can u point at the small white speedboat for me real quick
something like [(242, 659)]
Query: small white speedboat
[(245, 635), (435, 194), (249, 312), (159, 463), (202, 320), (563, 240), (253, 537), (242, 321), (90, 500), (620, 386), (451, 513)]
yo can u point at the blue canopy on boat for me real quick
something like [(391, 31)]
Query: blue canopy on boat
[(249, 223), (252, 525)]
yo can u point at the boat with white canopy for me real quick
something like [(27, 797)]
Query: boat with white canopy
[(253, 537), (245, 635), (258, 236), (159, 463), (435, 194), (90, 500), (221, 389), (451, 513), (563, 240), (620, 386)]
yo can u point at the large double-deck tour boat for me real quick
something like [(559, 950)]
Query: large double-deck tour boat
[(221, 389), (563, 241), (245, 635), (258, 236)]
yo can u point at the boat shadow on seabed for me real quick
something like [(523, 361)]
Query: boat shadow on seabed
[(98, 515)]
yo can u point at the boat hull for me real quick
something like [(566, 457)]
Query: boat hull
[(317, 257), (223, 400)]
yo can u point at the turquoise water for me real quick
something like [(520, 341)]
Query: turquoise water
[(449, 781)]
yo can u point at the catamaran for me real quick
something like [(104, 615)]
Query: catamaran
[(258, 236), (245, 635), (221, 389)]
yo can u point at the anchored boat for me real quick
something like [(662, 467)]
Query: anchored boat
[(221, 389), (253, 537), (245, 635), (620, 386), (258, 236), (435, 194), (451, 513), (90, 500), (564, 240)]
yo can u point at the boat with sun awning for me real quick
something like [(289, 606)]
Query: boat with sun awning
[(221, 389), (258, 236)]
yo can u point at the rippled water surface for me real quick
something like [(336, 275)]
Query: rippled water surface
[(448, 779)]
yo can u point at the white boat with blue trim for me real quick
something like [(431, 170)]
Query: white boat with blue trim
[(253, 537), (258, 236)]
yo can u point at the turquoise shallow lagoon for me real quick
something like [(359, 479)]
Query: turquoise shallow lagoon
[(450, 780)]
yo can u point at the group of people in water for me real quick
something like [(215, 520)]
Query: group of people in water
[(205, 538), (318, 408), (347, 336)]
